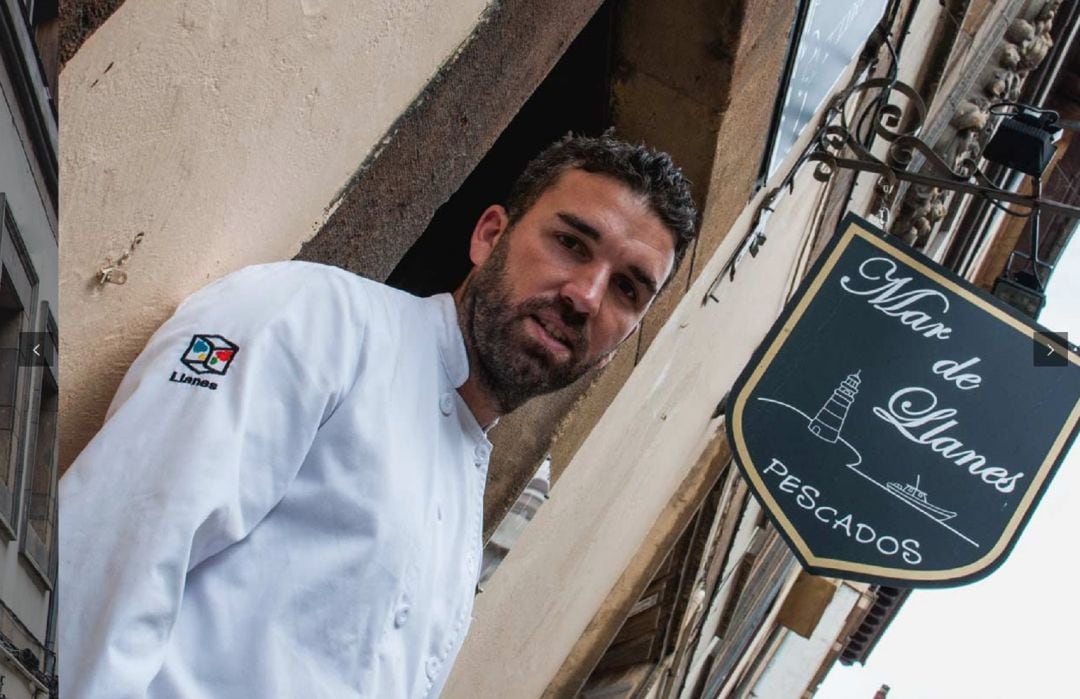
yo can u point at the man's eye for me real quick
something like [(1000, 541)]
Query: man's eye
[(627, 287), (570, 242)]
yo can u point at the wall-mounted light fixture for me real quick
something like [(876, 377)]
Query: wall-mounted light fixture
[(1025, 140), (1021, 291)]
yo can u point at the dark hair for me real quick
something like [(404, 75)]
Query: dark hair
[(647, 172)]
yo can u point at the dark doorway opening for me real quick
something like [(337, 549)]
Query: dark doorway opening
[(575, 96)]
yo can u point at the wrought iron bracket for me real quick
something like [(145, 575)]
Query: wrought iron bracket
[(838, 146)]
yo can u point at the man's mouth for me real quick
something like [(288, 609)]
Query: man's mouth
[(552, 335)]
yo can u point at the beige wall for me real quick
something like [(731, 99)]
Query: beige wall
[(224, 132)]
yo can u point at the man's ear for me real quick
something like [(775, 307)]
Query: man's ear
[(489, 228)]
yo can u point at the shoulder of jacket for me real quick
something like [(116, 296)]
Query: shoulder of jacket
[(300, 293), (293, 276)]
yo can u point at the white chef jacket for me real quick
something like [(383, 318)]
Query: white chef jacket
[(301, 520)]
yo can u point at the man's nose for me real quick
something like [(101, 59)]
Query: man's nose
[(585, 290)]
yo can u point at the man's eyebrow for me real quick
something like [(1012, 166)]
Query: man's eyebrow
[(590, 231), (582, 227)]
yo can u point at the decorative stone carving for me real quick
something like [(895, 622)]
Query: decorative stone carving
[(1003, 84), (927, 208), (966, 150), (971, 115), (1010, 58), (1020, 31), (1026, 42)]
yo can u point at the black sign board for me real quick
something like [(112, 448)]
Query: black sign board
[(897, 423)]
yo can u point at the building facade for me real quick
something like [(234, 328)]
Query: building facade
[(370, 135), (29, 394)]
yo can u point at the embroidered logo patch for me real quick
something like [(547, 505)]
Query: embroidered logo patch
[(209, 354)]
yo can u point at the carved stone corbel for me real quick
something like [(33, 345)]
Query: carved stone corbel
[(1025, 44)]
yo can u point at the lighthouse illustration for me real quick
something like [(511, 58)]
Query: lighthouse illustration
[(827, 425), (829, 420)]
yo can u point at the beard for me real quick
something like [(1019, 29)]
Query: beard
[(512, 366)]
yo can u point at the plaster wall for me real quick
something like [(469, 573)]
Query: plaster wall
[(223, 132), (628, 469)]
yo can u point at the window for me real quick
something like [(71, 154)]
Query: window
[(43, 19), (11, 317), (826, 37), (38, 530), (18, 289)]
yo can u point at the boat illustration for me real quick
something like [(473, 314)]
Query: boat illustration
[(917, 498)]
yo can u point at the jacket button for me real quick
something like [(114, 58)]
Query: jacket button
[(446, 404), (401, 617), (432, 668)]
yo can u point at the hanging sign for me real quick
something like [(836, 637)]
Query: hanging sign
[(898, 424)]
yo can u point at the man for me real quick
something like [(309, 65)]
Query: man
[(286, 498)]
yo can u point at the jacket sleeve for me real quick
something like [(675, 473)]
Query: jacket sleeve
[(206, 432)]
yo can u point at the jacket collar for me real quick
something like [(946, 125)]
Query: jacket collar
[(455, 360)]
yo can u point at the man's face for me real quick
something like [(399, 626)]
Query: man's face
[(555, 295)]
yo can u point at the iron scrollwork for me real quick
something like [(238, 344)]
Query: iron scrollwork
[(894, 111)]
